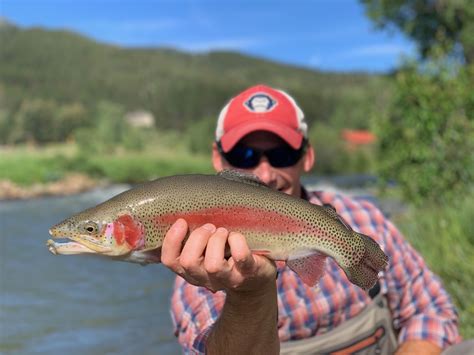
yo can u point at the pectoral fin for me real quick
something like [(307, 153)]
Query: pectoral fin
[(309, 268), (144, 257)]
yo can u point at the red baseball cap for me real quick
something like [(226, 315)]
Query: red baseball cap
[(261, 108)]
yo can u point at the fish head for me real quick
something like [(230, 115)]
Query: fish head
[(100, 232)]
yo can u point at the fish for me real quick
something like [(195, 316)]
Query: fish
[(131, 226)]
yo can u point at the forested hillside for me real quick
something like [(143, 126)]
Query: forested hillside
[(60, 71)]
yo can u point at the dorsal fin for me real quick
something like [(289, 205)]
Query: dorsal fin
[(331, 210), (240, 176)]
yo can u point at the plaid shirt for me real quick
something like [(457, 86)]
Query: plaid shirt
[(421, 308)]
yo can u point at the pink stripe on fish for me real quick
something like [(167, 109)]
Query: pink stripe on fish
[(235, 218)]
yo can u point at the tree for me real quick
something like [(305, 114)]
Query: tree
[(427, 139), (71, 117), (35, 121), (107, 131), (448, 24)]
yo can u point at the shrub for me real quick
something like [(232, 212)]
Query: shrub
[(427, 138)]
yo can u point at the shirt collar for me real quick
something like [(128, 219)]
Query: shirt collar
[(312, 196)]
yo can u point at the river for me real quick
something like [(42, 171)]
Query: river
[(77, 304)]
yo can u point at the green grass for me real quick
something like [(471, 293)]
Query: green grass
[(444, 235), (26, 166), (137, 168)]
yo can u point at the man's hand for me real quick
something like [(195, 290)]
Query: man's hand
[(202, 260), (248, 322)]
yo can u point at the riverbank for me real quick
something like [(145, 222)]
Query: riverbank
[(62, 169), (71, 184)]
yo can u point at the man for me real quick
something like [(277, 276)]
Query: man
[(235, 306)]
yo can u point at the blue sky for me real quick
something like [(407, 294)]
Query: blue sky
[(321, 34)]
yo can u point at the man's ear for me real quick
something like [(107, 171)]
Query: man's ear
[(216, 158), (309, 158)]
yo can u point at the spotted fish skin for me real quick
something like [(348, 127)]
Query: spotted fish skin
[(131, 226)]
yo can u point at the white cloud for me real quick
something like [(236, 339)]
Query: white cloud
[(374, 57), (376, 50), (131, 25), (154, 25), (222, 44)]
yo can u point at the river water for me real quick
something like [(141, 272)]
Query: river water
[(75, 304), (78, 304)]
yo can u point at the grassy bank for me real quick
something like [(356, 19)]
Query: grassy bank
[(27, 165), (444, 235)]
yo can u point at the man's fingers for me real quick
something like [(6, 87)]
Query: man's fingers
[(195, 246), (240, 252), (214, 259), (172, 244)]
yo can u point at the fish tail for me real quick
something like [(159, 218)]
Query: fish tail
[(365, 273)]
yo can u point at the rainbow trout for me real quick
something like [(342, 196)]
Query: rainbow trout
[(131, 226)]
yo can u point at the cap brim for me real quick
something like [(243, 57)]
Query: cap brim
[(291, 136)]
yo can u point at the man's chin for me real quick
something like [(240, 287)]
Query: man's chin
[(288, 191)]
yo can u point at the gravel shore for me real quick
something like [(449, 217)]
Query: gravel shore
[(69, 185)]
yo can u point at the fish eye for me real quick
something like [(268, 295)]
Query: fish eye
[(91, 227)]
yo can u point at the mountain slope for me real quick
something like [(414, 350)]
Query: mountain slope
[(175, 86)]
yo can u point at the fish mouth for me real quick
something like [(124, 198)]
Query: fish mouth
[(85, 241), (67, 248)]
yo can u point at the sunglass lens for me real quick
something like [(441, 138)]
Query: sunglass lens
[(282, 157), (243, 157)]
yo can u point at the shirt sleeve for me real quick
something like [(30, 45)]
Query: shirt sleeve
[(421, 307), (193, 312)]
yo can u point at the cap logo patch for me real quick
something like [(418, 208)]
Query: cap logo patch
[(260, 103)]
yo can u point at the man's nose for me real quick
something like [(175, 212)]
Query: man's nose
[(265, 171)]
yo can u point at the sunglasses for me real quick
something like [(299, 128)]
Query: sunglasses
[(244, 157)]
